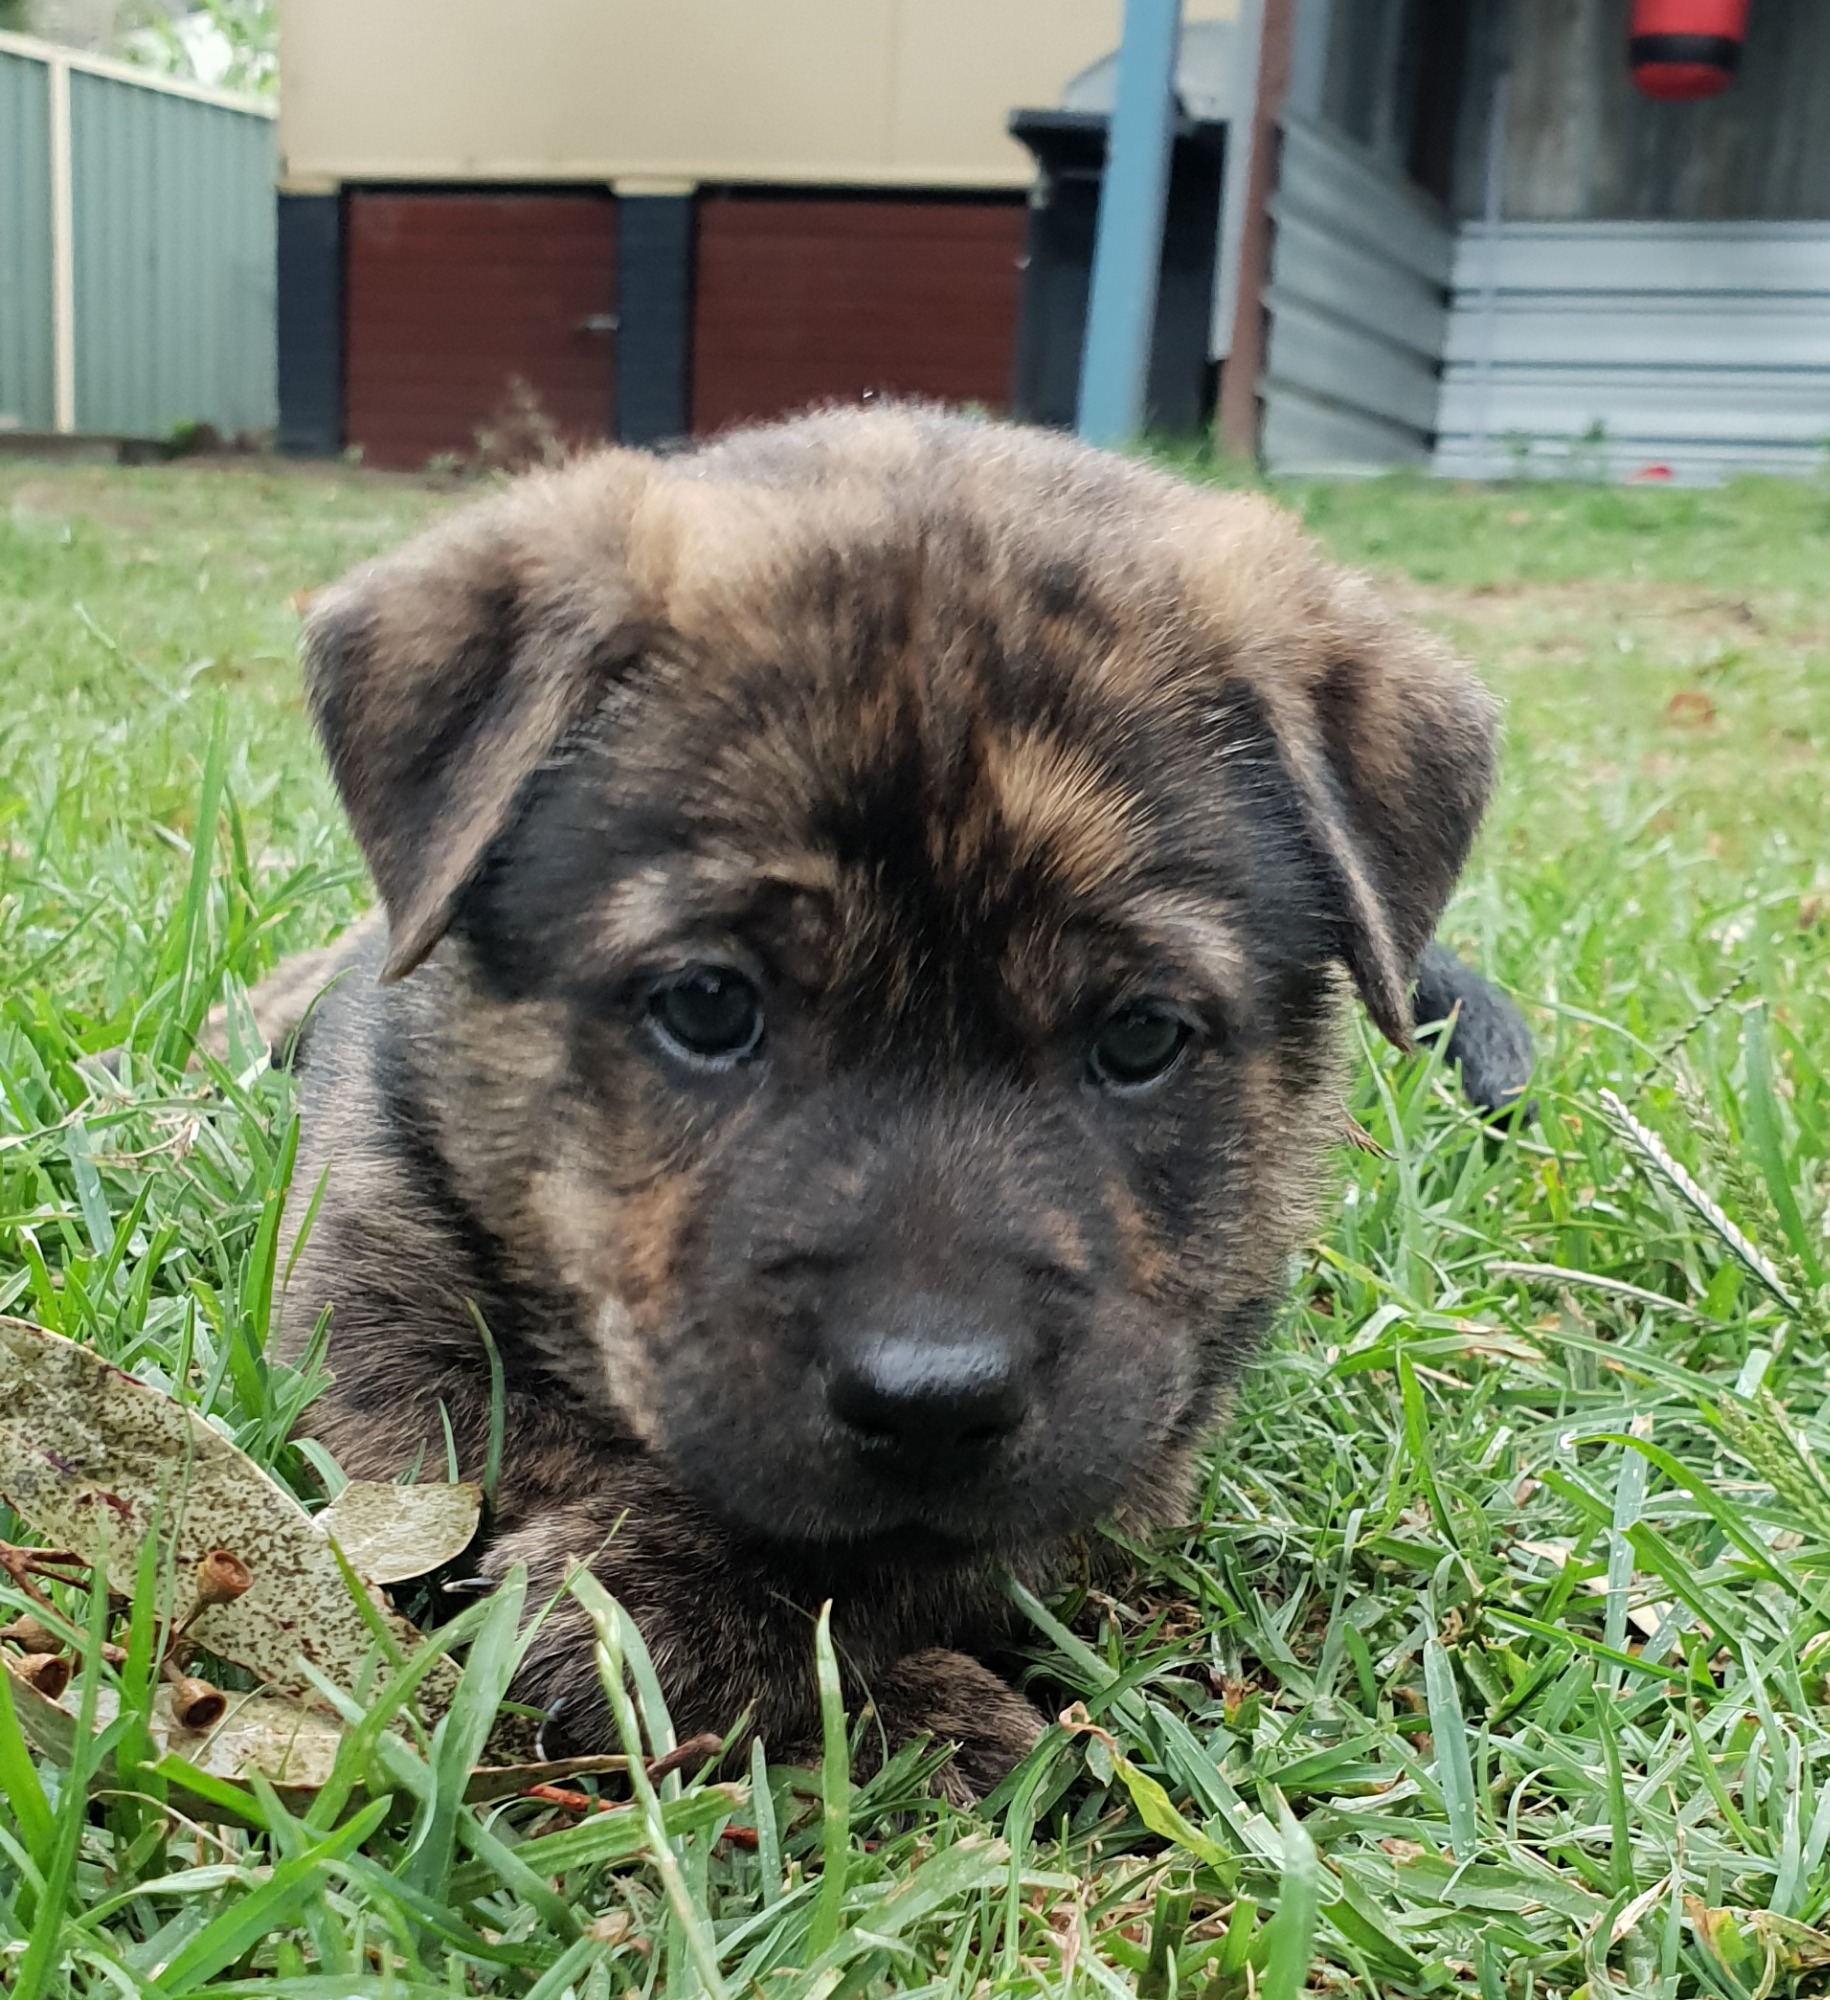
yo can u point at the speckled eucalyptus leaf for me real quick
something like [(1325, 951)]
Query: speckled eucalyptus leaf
[(291, 1746), (96, 1462), (390, 1533), (294, 1748)]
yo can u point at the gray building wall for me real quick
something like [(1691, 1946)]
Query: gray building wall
[(1657, 292)]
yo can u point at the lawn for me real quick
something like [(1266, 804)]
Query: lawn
[(1495, 1659)]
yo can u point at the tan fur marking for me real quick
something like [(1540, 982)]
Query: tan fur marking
[(1058, 806), (1193, 934)]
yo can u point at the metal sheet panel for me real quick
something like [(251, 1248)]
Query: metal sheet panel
[(1361, 285), (1608, 348), (1626, 332), (1690, 464), (1358, 304), (1650, 258), (1331, 357), (175, 259), (1323, 437), (1325, 173), (1646, 408), (25, 244)]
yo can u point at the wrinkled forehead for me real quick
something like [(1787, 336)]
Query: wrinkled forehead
[(926, 681), (939, 658), (924, 762)]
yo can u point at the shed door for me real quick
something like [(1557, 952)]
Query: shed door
[(455, 298), (803, 300)]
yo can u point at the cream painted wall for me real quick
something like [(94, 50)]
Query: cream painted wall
[(884, 92)]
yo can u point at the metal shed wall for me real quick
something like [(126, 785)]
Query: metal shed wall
[(1610, 347), (174, 268), (1358, 304), (159, 310), (26, 395)]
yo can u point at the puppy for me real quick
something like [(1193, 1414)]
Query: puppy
[(870, 905)]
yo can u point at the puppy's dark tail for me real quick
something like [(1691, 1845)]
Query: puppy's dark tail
[(1488, 1037)]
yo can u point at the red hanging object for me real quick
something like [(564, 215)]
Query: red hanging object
[(1681, 50)]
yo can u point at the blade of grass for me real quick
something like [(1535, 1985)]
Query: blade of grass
[(768, 1836), (607, 1618), (1768, 1142), (457, 1743), (498, 1411), (267, 1905), (1449, 1733), (72, 1812), (835, 1792), (19, 1783), (1290, 1936), (180, 963)]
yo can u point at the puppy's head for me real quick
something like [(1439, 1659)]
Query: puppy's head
[(898, 879)]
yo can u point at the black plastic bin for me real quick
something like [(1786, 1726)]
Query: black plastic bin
[(1070, 150)]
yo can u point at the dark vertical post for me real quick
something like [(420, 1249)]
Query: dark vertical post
[(654, 313), (310, 313)]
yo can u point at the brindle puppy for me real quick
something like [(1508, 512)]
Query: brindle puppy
[(859, 1015)]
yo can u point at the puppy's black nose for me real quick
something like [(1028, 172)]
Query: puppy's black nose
[(930, 1391)]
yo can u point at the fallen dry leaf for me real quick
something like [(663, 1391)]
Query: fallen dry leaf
[(1690, 708), (294, 1748), (390, 1533), (97, 1462), (1734, 1935)]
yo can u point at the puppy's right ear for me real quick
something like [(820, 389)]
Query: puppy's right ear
[(442, 676)]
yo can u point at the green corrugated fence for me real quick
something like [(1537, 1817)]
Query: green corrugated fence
[(136, 250)]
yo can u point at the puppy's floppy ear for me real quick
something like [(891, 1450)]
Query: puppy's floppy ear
[(1392, 746), (440, 677)]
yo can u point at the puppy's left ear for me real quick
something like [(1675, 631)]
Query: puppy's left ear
[(442, 676), (1392, 744)]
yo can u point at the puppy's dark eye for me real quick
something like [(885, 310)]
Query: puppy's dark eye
[(1137, 1045), (709, 1014)]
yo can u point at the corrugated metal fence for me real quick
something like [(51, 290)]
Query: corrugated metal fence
[(1605, 348), (1358, 301), (136, 249)]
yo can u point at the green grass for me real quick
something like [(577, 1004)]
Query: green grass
[(1387, 1716)]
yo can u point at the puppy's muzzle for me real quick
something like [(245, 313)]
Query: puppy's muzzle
[(925, 1388)]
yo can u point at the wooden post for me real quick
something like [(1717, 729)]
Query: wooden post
[(1256, 158)]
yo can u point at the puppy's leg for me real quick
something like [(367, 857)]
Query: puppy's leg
[(732, 1640), (1489, 1038), (958, 1700), (284, 998)]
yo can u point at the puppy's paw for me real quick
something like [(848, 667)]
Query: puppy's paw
[(957, 1700)]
